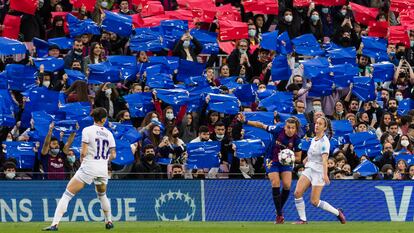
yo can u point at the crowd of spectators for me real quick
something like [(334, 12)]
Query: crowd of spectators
[(168, 129)]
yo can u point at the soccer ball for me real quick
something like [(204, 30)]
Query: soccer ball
[(287, 157)]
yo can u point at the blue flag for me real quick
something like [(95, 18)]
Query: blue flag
[(230, 82), (125, 132), (196, 97), (342, 55), (139, 104), (223, 103), (366, 168), (7, 109), (203, 154), (284, 45), (246, 93), (20, 77), (269, 40), (279, 101), (264, 117), (316, 67), (366, 143), (280, 68), (172, 30), (102, 73), (173, 96), (305, 144), (41, 120), (405, 105), (383, 71), (253, 133), (375, 48), (341, 127), (307, 45), (66, 126), (74, 75), (42, 47), (196, 81), (39, 99), (170, 64), (79, 27), (64, 43), (117, 23), (145, 39), (364, 88), (264, 94), (127, 65), (407, 157), (159, 80), (22, 152), (51, 64), (208, 40), (76, 111), (187, 69), (249, 148), (344, 74), (11, 47), (124, 154)]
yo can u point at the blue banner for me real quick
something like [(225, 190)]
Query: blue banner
[(209, 200)]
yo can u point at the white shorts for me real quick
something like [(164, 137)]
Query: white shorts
[(88, 179), (316, 178)]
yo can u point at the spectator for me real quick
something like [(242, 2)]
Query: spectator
[(411, 172), (147, 168), (203, 135), (188, 129), (9, 171), (240, 56), (177, 172), (401, 170), (107, 97), (75, 54), (404, 146), (185, 51), (77, 92), (94, 57)]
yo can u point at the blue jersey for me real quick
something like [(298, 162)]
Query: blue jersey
[(281, 141)]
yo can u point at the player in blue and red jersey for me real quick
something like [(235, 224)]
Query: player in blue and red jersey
[(285, 136)]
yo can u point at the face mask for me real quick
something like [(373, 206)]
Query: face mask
[(299, 173), (149, 157), (10, 175), (315, 18), (54, 152), (252, 32), (175, 135), (186, 44), (9, 140), (399, 55), (387, 154), (261, 90), (405, 143), (340, 113), (219, 136), (325, 10), (46, 83), (392, 54), (203, 140), (108, 92), (244, 169), (345, 39), (155, 119), (104, 4), (242, 51), (399, 98), (411, 43), (71, 159), (169, 116), (343, 12), (78, 52), (288, 18), (177, 176), (317, 108)]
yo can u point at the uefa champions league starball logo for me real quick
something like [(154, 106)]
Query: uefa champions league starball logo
[(166, 203)]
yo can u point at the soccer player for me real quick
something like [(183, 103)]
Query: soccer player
[(285, 137), (98, 147), (316, 174)]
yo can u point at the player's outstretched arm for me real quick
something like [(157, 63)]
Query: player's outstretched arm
[(256, 124)]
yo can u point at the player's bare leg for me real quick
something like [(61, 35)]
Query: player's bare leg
[(105, 205), (73, 187), (316, 201), (303, 184)]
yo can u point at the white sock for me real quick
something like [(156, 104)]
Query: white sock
[(62, 206), (300, 207), (106, 206), (327, 207)]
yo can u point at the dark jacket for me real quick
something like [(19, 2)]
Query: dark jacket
[(148, 171), (194, 50)]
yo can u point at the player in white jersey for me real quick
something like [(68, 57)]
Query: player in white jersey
[(316, 174), (98, 148)]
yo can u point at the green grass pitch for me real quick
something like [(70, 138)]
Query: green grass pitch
[(214, 227)]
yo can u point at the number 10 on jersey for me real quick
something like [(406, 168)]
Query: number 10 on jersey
[(101, 147)]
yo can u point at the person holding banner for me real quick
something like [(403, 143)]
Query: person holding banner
[(98, 148), (285, 137), (316, 174)]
